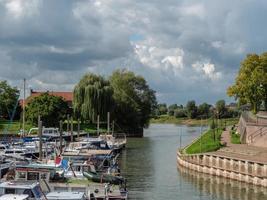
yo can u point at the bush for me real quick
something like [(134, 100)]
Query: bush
[(179, 113)]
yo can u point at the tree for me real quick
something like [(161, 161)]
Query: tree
[(179, 113), (251, 82), (92, 97), (204, 110), (172, 108), (263, 77), (134, 100), (8, 99), (191, 109), (51, 109), (162, 109), (220, 108)]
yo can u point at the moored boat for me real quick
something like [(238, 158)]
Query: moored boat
[(104, 178)]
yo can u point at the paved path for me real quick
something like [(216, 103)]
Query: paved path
[(241, 151)]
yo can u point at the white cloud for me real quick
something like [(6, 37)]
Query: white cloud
[(159, 57), (20, 8), (208, 69), (217, 44), (196, 10)]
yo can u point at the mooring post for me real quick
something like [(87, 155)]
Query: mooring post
[(113, 128), (40, 138), (108, 122), (71, 130), (60, 136), (78, 129), (98, 119), (68, 123)]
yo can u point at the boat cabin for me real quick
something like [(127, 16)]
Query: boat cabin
[(37, 172), (25, 190), (66, 196)]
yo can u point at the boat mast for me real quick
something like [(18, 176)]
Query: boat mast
[(23, 116)]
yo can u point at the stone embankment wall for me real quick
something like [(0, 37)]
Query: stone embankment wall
[(253, 131), (236, 169)]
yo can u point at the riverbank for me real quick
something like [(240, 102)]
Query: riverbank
[(240, 162), (166, 119), (208, 141), (14, 127)]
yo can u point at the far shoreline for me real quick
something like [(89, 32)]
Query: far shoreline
[(165, 119)]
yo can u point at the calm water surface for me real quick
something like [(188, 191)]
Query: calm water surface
[(149, 164)]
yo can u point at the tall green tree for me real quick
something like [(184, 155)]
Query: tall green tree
[(221, 108), (92, 97), (8, 99), (172, 108), (162, 109), (204, 110), (263, 77), (251, 82), (134, 100), (191, 109), (51, 109)]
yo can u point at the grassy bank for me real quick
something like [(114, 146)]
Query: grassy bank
[(235, 138), (206, 142), (173, 120), (13, 128)]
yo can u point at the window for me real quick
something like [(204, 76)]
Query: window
[(10, 191), (33, 176), (43, 176), (28, 192), (21, 175)]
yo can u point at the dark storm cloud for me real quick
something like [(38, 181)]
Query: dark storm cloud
[(186, 49)]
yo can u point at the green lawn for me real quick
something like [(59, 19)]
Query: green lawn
[(205, 143), (14, 127), (235, 138)]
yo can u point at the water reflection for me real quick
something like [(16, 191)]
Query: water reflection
[(149, 164), (222, 188)]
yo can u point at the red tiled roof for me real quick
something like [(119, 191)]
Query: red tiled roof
[(67, 96)]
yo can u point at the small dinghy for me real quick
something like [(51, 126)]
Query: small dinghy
[(104, 178)]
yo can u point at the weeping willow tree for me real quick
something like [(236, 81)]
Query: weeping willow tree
[(92, 97)]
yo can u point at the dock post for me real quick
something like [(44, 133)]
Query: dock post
[(78, 128), (108, 122), (40, 138), (68, 123), (98, 119), (113, 128), (71, 130), (60, 136)]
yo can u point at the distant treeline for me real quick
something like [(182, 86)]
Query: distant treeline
[(202, 111)]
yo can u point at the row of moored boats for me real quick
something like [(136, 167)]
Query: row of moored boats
[(51, 167)]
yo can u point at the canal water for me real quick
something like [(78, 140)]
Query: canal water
[(149, 164)]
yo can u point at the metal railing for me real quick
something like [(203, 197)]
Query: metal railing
[(260, 132)]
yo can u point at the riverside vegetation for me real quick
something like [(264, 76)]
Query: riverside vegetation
[(125, 95)]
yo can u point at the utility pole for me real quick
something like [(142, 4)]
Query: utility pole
[(200, 135), (23, 105)]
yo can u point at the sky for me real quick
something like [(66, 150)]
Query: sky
[(185, 49)]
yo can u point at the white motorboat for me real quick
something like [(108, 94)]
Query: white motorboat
[(33, 191)]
